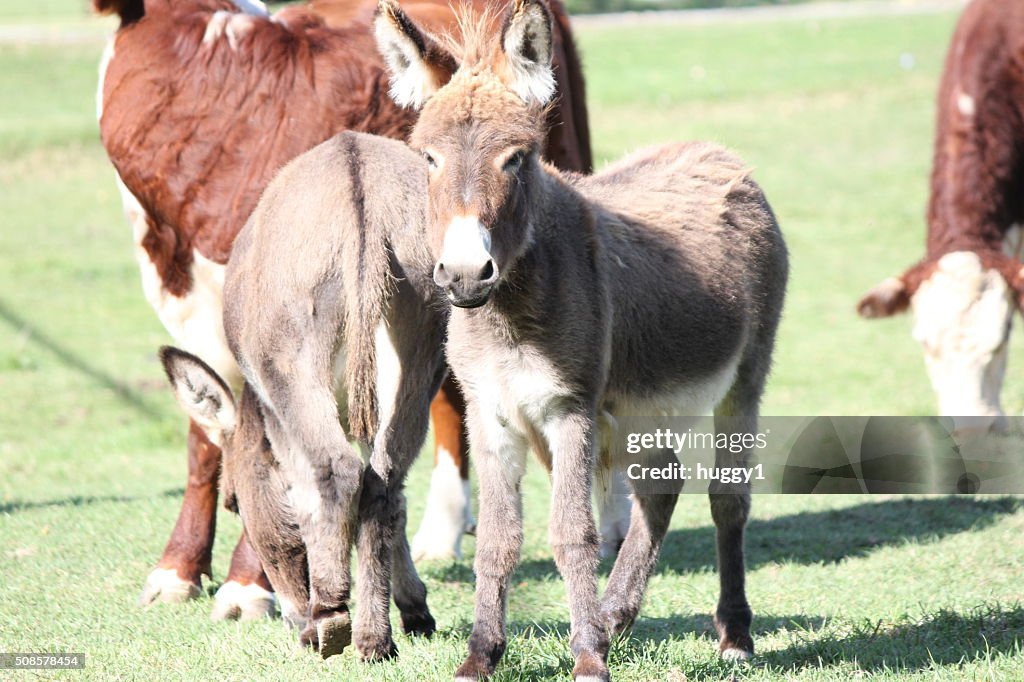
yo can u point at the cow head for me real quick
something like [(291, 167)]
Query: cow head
[(963, 304)]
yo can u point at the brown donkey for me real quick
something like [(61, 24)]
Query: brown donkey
[(332, 316), (653, 286)]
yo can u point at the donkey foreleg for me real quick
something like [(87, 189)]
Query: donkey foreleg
[(500, 461), (572, 532)]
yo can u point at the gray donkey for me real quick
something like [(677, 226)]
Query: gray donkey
[(332, 315), (652, 287)]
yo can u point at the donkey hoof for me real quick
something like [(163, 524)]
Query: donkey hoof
[(235, 601), (420, 623), (333, 633), (590, 667), (618, 621), (164, 586), (373, 650), (735, 654)]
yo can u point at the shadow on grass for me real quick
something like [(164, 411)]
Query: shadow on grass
[(815, 537), (81, 501), (943, 638), (69, 358)]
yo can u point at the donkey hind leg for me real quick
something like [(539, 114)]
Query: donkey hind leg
[(246, 593), (409, 592), (572, 533), (651, 514), (409, 370), (500, 460), (326, 476), (186, 558), (730, 507)]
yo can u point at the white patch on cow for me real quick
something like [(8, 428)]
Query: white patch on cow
[(193, 320), (611, 492), (290, 613), (105, 59), (243, 602), (448, 514), (965, 103), (389, 374), (467, 243), (215, 27), (163, 585), (962, 316), (234, 25)]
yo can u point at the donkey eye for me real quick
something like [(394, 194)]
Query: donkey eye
[(431, 163), (515, 162)]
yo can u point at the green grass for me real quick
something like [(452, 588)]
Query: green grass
[(92, 448)]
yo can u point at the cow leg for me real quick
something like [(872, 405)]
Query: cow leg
[(246, 594), (448, 513), (187, 556)]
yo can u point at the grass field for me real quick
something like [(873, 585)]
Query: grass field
[(92, 448)]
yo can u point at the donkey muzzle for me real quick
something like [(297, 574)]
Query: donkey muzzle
[(467, 286), (466, 271)]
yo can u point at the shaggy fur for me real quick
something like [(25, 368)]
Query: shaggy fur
[(201, 104), (655, 286)]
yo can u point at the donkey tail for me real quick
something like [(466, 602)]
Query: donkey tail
[(130, 11), (366, 277)]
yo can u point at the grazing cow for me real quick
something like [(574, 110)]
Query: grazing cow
[(965, 289), (654, 286), (200, 102), (338, 329)]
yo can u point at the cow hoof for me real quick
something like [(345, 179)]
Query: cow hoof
[(432, 543), (164, 586), (235, 601)]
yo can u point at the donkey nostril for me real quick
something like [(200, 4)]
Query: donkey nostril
[(441, 276), (488, 271)]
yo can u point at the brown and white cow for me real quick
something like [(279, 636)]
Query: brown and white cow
[(964, 291), (199, 103)]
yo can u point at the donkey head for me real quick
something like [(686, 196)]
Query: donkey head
[(480, 132), (963, 304), (207, 400)]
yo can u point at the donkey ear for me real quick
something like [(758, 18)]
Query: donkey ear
[(419, 67), (203, 395), (887, 298), (526, 41)]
